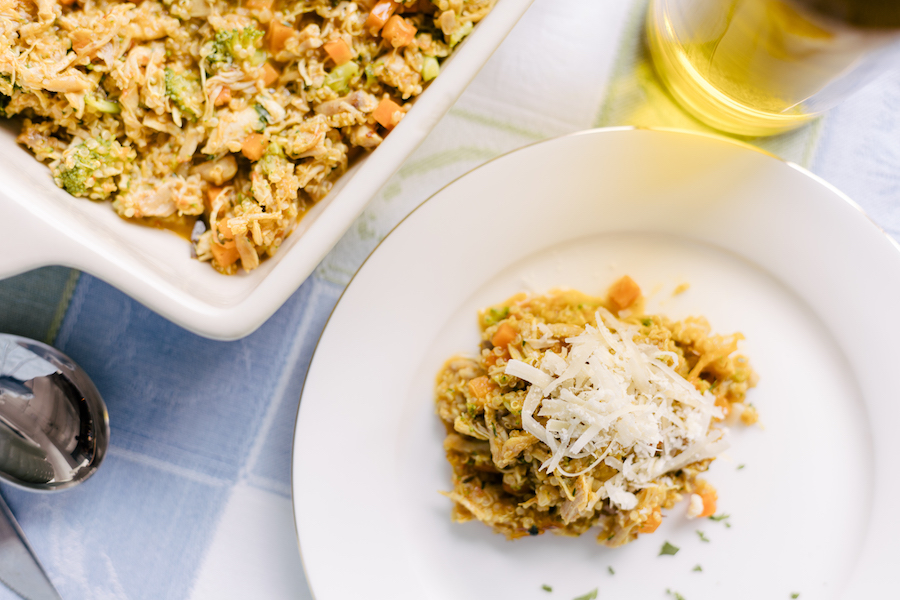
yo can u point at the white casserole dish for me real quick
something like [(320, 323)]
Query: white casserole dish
[(43, 225)]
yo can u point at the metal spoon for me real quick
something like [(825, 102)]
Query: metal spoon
[(54, 428), (54, 431)]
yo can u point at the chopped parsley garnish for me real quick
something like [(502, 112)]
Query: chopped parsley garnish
[(676, 594), (546, 588), (611, 570), (669, 549), (741, 467), (697, 568), (264, 115), (589, 596), (370, 75), (795, 595), (646, 322), (722, 517), (703, 538)]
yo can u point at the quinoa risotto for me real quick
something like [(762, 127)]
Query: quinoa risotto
[(583, 412), (221, 120)]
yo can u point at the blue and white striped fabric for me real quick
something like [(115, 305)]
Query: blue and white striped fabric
[(193, 500), (194, 495)]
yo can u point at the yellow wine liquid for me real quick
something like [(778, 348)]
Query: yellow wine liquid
[(750, 67)]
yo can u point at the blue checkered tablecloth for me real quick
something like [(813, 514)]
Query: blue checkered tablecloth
[(193, 500)]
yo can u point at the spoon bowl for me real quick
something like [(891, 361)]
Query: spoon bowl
[(54, 428)]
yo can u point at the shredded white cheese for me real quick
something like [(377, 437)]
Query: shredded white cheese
[(619, 401)]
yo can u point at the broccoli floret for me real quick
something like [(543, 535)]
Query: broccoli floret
[(237, 45), (431, 68), (103, 106), (88, 169), (73, 180), (273, 160), (339, 78), (460, 34), (184, 91)]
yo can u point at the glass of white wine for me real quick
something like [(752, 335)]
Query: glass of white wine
[(761, 67)]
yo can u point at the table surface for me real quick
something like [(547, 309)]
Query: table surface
[(193, 500)]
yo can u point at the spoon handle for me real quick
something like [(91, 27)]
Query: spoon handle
[(20, 570), (22, 459)]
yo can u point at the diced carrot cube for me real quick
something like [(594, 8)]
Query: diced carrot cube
[(652, 522), (379, 15), (225, 255), (254, 146), (505, 334), (386, 113), (398, 31), (278, 35), (223, 97), (270, 74), (212, 192), (339, 51), (224, 230), (709, 498), (624, 292), (481, 387)]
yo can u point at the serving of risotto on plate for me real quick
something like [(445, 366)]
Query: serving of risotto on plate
[(221, 120), (582, 412)]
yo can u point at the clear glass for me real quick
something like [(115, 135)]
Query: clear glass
[(761, 67)]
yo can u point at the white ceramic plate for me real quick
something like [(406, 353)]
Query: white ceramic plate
[(767, 249), (45, 226)]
